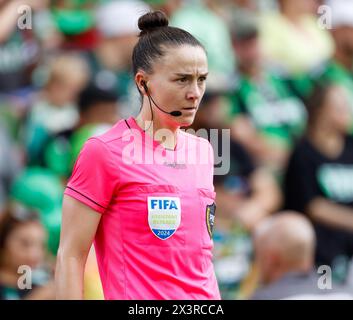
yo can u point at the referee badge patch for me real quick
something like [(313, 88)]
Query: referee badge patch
[(164, 216), (210, 216)]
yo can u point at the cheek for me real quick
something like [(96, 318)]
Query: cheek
[(37, 253), (170, 93), (73, 91), (203, 89), (340, 114), (66, 93), (18, 253), (242, 54), (15, 253), (344, 120)]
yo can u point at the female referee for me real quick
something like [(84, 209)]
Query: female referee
[(151, 220)]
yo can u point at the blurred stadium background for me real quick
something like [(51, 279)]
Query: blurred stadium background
[(281, 79)]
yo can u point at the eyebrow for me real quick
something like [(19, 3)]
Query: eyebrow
[(189, 74)]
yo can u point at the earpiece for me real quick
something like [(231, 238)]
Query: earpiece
[(143, 83)]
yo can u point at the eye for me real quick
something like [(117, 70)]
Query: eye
[(202, 79), (182, 80)]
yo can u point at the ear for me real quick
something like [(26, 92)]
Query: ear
[(140, 78)]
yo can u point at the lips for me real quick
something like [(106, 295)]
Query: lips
[(190, 108)]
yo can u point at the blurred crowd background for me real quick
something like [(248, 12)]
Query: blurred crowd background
[(281, 79)]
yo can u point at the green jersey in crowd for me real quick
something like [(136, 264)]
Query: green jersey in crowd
[(275, 112), (331, 71)]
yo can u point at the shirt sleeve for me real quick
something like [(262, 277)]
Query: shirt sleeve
[(94, 177)]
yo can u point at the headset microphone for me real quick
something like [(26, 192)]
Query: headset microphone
[(173, 113)]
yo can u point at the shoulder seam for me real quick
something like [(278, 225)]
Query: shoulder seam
[(112, 139)]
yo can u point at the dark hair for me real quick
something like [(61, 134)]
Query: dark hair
[(155, 33), (316, 99), (92, 95), (12, 219)]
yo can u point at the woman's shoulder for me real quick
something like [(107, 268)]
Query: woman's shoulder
[(111, 135), (104, 141)]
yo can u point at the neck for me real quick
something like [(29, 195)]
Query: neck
[(300, 267), (291, 13), (168, 137), (329, 142)]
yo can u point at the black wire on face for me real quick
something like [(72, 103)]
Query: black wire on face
[(149, 100)]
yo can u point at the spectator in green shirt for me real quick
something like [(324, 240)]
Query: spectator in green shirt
[(267, 118)]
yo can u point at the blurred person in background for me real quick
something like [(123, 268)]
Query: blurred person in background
[(245, 195), (342, 32), (54, 108), (98, 111), (9, 165), (19, 48), (41, 190), (319, 177), (266, 117), (209, 28), (258, 192), (110, 60), (229, 9), (75, 19), (339, 68), (41, 186), (292, 39), (22, 243), (284, 253), (27, 34), (167, 6)]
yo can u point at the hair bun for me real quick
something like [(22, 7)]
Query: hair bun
[(152, 20)]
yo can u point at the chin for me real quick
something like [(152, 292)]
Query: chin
[(186, 121)]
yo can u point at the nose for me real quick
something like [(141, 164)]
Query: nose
[(194, 92)]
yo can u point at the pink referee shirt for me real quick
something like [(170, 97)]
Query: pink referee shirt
[(154, 238)]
